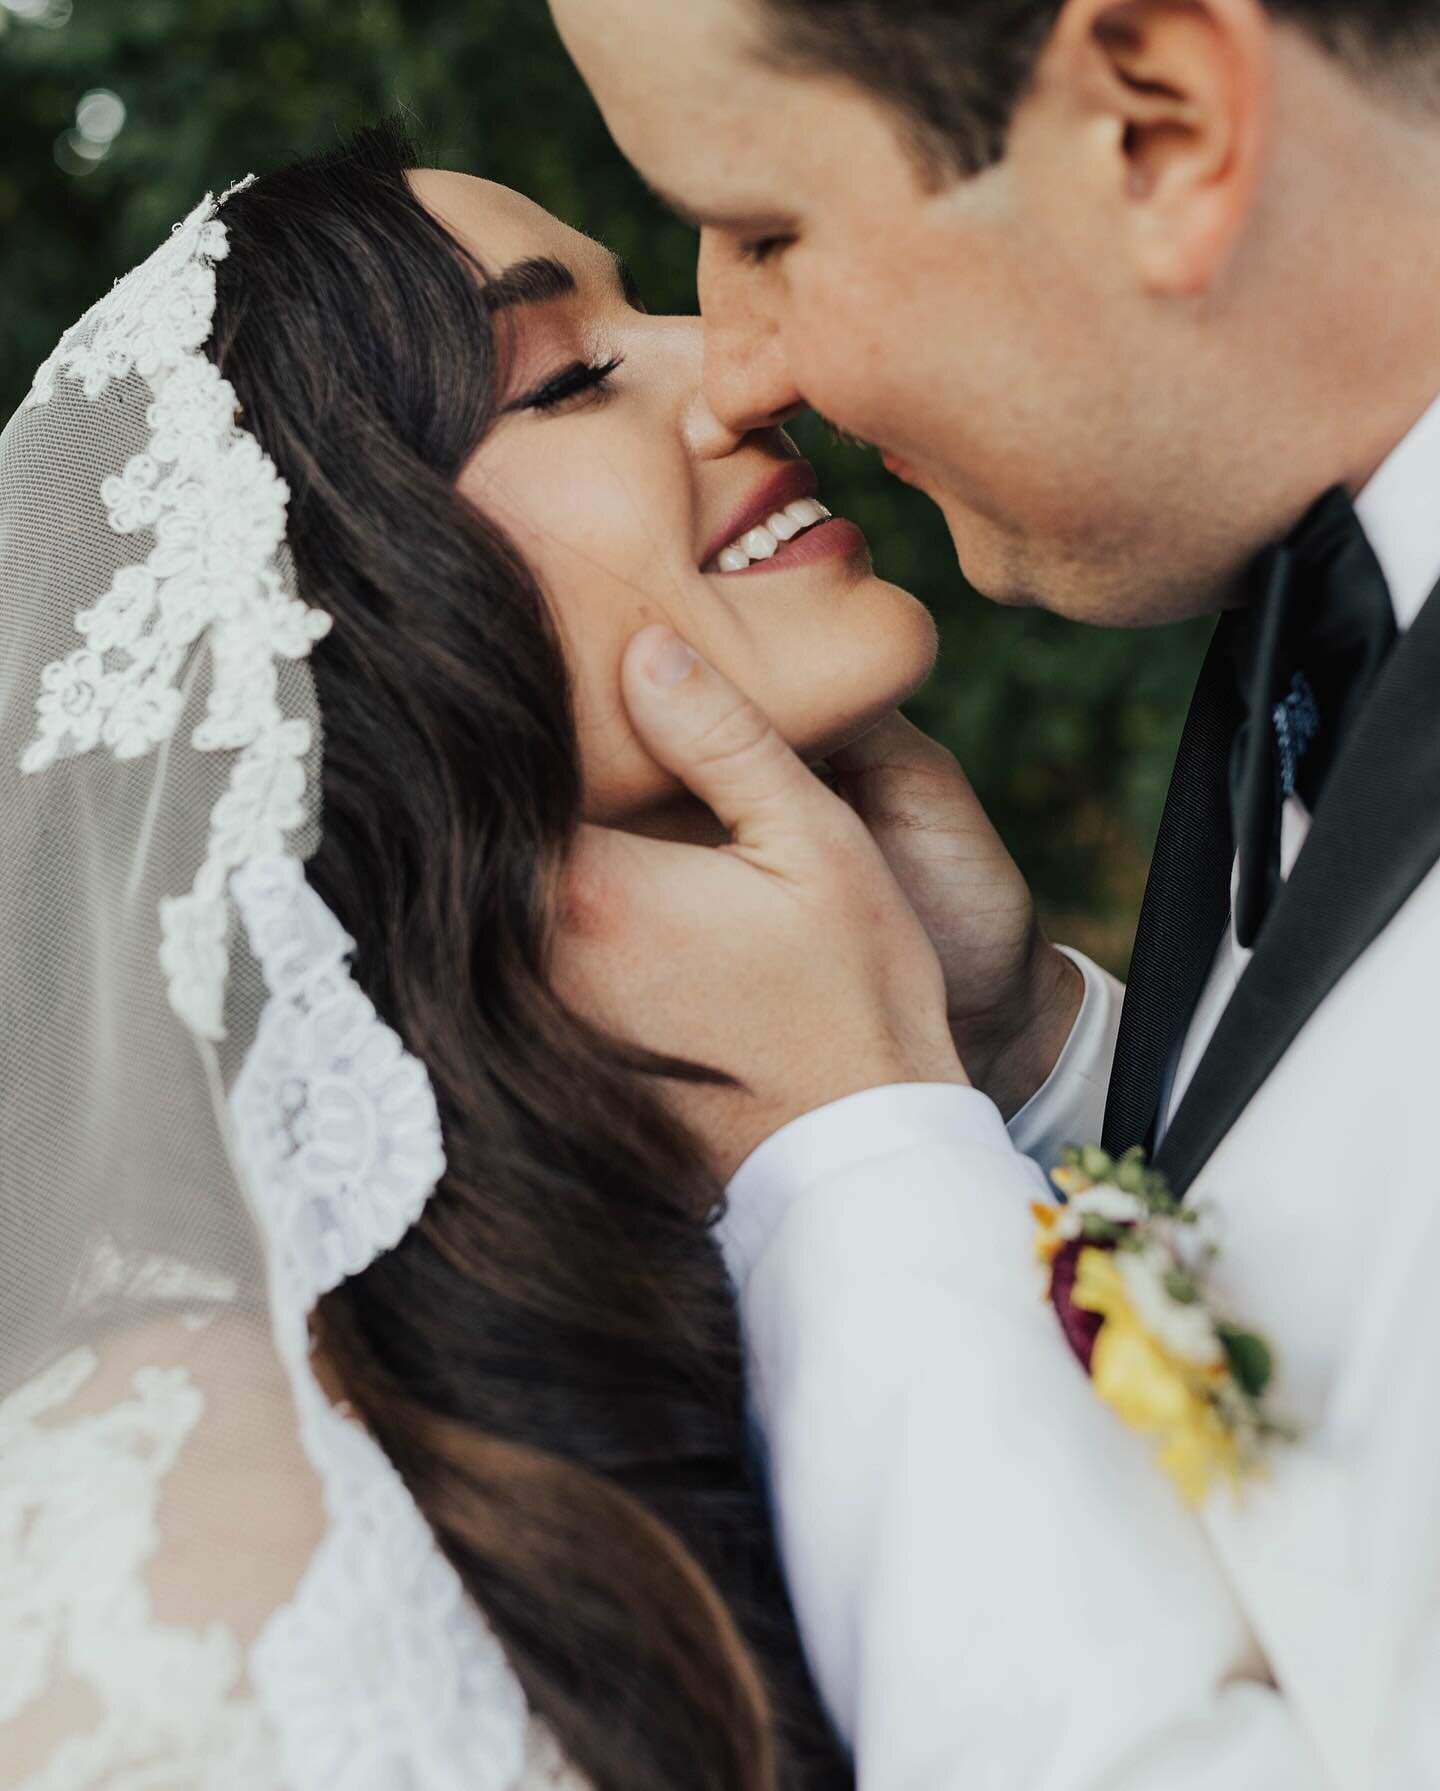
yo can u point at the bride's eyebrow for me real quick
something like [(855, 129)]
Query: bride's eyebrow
[(535, 281), (629, 285), (541, 279)]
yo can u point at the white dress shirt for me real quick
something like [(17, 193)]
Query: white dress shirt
[(1398, 513), (995, 1585)]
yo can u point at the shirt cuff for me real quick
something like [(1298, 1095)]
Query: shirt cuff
[(863, 1128), (1070, 1106)]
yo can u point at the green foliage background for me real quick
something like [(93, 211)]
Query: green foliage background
[(1067, 733)]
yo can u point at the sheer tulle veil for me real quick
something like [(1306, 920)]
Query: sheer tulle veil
[(209, 1575)]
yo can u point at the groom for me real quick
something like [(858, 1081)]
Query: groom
[(1146, 295)]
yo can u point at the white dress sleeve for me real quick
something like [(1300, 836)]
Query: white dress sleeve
[(995, 1585)]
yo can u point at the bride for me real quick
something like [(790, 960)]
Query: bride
[(371, 1412)]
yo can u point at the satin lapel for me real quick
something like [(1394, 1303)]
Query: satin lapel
[(1186, 907), (1376, 835)]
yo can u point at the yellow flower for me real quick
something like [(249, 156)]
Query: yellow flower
[(1149, 1390), (1072, 1183), (1048, 1241)]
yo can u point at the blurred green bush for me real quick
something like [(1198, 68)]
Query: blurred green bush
[(1067, 733)]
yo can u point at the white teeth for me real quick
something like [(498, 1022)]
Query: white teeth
[(764, 542)]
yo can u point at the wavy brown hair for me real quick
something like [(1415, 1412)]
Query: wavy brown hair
[(551, 1357)]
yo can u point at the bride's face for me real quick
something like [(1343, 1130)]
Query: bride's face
[(632, 505)]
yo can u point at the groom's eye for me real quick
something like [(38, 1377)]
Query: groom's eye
[(758, 250)]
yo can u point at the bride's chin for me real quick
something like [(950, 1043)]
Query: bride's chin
[(898, 663), (834, 733)]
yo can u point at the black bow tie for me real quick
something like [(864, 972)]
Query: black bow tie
[(1317, 630)]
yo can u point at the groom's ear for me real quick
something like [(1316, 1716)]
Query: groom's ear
[(1174, 97)]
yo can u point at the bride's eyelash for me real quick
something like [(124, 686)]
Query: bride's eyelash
[(580, 379)]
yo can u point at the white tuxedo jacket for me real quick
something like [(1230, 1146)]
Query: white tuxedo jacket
[(996, 1586)]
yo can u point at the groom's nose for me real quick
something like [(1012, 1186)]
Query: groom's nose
[(747, 377)]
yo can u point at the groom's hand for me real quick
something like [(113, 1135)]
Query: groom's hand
[(788, 959), (1013, 999)]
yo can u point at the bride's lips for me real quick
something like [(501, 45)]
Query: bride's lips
[(791, 480), (839, 538)]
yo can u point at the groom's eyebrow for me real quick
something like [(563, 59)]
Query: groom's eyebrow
[(541, 279), (687, 214), (706, 219)]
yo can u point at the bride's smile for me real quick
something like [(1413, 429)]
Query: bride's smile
[(767, 535), (633, 504)]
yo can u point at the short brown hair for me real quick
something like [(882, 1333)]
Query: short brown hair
[(955, 70)]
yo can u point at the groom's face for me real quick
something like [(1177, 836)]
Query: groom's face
[(987, 333)]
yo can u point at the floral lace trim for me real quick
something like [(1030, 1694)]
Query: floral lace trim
[(127, 331), (337, 1123), (215, 506), (111, 1274), (380, 1671)]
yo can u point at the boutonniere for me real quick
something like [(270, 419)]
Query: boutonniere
[(1127, 1269)]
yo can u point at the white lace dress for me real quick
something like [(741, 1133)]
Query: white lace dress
[(176, 1615)]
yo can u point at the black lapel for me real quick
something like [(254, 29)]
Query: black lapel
[(1187, 903), (1375, 837)]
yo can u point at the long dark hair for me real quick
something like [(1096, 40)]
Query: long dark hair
[(551, 1357)]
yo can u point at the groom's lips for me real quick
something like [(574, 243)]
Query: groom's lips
[(790, 480), (901, 469)]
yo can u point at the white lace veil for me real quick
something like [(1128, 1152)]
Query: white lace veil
[(209, 1576)]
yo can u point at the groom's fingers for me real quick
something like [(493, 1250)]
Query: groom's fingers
[(894, 746), (891, 739), (725, 750), (901, 782)]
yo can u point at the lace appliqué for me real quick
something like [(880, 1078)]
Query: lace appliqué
[(78, 1525), (380, 1671), (216, 508), (153, 318), (337, 1123)]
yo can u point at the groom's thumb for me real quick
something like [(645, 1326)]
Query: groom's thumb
[(720, 745)]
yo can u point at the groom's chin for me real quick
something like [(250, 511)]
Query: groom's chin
[(1019, 568), (997, 567), (1110, 592)]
